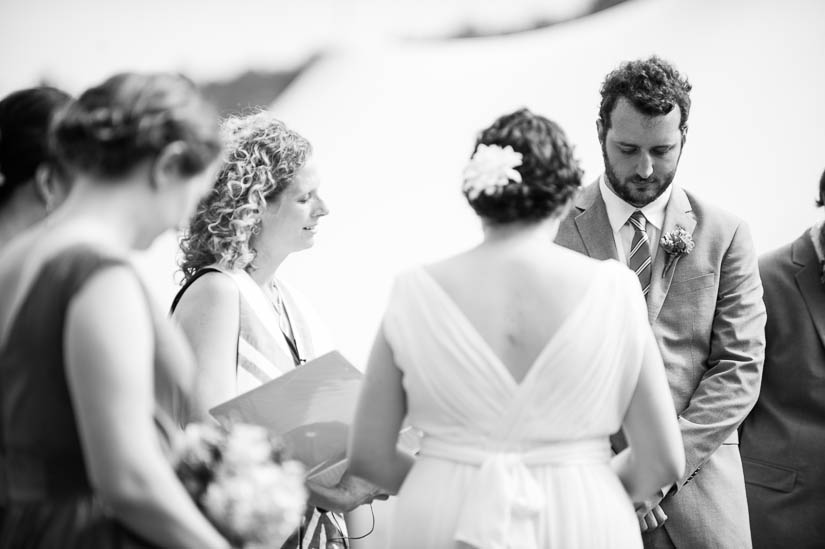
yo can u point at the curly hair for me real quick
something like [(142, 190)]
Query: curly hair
[(550, 173), (263, 156), (653, 86), (132, 117), (25, 116)]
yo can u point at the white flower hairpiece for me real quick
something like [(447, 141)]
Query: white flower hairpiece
[(490, 168)]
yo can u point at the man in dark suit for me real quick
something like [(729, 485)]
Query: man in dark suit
[(783, 438), (697, 267)]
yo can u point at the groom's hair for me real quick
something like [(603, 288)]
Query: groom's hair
[(653, 86), (819, 201)]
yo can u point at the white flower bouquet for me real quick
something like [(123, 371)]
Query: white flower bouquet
[(240, 481)]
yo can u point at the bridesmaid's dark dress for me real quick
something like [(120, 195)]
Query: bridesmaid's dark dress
[(49, 498)]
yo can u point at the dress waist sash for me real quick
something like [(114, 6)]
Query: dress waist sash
[(504, 501)]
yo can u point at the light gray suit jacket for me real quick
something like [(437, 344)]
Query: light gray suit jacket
[(708, 317)]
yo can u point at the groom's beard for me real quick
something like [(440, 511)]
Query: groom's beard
[(628, 189)]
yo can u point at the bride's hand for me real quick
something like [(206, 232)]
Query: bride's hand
[(345, 496)]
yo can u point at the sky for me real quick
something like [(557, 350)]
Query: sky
[(74, 44)]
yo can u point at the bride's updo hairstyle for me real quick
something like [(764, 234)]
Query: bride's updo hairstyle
[(522, 169), (130, 118)]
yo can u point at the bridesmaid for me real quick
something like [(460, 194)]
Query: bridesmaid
[(246, 325), (92, 374), (31, 183)]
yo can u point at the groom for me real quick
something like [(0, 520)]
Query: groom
[(698, 270)]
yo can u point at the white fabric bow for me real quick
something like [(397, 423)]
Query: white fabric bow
[(502, 507)]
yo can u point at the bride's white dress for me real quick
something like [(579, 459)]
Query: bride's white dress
[(516, 465)]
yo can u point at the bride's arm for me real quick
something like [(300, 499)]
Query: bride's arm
[(381, 409), (655, 457)]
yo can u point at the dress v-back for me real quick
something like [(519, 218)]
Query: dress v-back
[(508, 464)]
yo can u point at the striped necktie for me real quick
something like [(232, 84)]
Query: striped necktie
[(639, 258)]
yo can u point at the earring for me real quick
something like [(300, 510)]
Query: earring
[(49, 203)]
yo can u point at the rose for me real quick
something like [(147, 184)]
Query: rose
[(490, 168), (676, 243)]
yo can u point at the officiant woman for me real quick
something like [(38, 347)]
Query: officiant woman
[(245, 325), (92, 373)]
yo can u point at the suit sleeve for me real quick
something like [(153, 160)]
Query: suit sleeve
[(730, 385)]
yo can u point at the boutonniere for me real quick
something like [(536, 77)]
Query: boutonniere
[(676, 243)]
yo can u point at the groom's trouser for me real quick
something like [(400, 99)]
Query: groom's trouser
[(658, 539)]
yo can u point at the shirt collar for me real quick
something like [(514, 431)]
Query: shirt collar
[(815, 233), (619, 211)]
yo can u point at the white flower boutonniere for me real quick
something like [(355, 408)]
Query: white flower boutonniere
[(676, 243), (491, 168)]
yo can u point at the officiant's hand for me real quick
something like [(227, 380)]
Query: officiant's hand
[(345, 496)]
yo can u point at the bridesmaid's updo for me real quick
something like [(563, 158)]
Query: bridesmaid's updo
[(25, 116), (522, 169), (130, 118)]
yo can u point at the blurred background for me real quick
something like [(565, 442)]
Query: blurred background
[(392, 95)]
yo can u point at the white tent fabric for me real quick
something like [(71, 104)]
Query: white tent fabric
[(393, 128)]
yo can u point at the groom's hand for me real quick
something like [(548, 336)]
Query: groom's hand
[(651, 519)]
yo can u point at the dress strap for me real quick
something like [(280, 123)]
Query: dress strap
[(188, 283)]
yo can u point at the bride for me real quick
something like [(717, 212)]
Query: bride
[(517, 359)]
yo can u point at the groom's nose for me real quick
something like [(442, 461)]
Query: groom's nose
[(644, 167)]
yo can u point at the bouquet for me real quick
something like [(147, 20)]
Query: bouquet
[(238, 478)]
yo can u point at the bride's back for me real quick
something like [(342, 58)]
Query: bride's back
[(516, 295)]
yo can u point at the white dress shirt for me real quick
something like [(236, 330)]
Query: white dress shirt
[(619, 212)]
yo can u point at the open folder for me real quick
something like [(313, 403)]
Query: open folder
[(311, 408)]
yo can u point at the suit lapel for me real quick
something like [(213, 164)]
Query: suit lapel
[(807, 278), (679, 213), (594, 226)]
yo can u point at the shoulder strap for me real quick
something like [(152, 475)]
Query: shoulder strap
[(188, 283)]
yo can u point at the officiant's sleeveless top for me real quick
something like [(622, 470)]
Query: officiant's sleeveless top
[(265, 351), (51, 502)]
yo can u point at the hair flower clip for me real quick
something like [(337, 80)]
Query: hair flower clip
[(491, 168), (676, 243)]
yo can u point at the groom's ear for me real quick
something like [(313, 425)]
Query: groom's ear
[(600, 130)]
